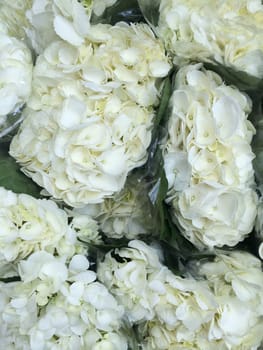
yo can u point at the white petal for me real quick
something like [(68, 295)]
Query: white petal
[(79, 263), (66, 31), (113, 162), (72, 113), (226, 113)]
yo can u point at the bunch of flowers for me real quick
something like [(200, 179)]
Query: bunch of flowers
[(153, 175), (232, 38), (89, 119), (208, 159), (188, 313)]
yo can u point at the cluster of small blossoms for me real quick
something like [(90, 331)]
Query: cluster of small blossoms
[(208, 159), (59, 305), (57, 302), (187, 313), (228, 32), (236, 280), (15, 74), (29, 225), (89, 118)]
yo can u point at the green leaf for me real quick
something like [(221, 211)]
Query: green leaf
[(11, 176), (162, 113)]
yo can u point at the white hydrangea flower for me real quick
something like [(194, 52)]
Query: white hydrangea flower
[(236, 279), (232, 38), (128, 280), (148, 290), (30, 225), (220, 309), (85, 127), (44, 273), (59, 305), (213, 216), (16, 75), (208, 159), (18, 314)]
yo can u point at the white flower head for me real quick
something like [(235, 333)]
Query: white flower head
[(30, 225), (233, 38), (148, 290), (59, 305), (208, 159), (93, 130), (236, 279), (128, 280)]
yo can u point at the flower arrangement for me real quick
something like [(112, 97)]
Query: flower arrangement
[(131, 175)]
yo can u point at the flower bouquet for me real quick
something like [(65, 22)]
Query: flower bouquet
[(131, 175)]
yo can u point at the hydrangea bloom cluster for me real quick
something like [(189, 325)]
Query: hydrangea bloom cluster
[(57, 303), (208, 159), (29, 225), (89, 119), (15, 74), (59, 306), (236, 279), (188, 313), (232, 38)]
